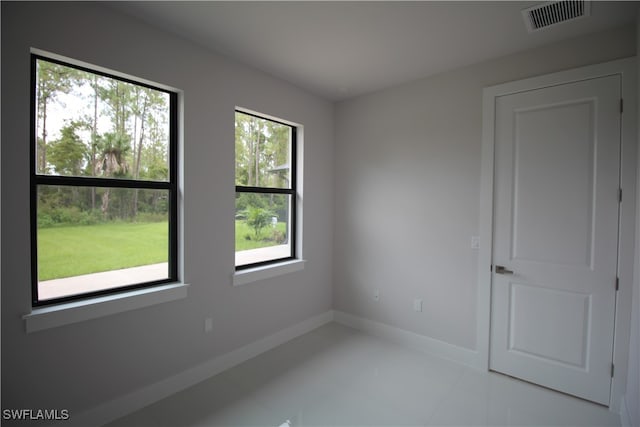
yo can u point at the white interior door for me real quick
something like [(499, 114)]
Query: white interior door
[(556, 201)]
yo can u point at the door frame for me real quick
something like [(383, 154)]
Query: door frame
[(626, 68)]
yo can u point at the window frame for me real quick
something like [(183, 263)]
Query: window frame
[(291, 191), (171, 185)]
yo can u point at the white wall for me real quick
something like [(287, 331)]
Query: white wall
[(407, 163), (81, 365), (632, 396)]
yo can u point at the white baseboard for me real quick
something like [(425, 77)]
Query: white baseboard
[(625, 417), (411, 339), (138, 399)]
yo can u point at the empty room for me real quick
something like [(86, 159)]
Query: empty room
[(320, 213)]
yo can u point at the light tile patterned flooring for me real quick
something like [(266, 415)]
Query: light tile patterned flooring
[(337, 376)]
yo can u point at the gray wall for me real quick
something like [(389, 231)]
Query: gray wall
[(632, 397), (407, 164), (80, 365)]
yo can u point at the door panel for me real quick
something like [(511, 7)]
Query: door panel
[(566, 315), (557, 155), (555, 139)]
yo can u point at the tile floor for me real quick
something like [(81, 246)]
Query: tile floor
[(337, 376)]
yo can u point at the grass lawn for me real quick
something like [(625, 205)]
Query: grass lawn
[(243, 230), (75, 250)]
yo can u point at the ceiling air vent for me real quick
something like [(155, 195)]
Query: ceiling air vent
[(556, 12)]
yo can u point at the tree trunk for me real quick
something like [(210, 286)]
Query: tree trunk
[(105, 203), (136, 171), (94, 139), (250, 151), (123, 109), (135, 130), (43, 166), (257, 157)]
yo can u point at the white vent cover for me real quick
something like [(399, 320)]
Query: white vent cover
[(555, 12)]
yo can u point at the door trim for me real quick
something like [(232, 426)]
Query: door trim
[(626, 68)]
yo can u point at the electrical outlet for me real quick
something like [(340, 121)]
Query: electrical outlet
[(208, 324), (475, 242), (417, 305), (376, 295)]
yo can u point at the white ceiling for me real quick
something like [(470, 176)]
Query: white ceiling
[(342, 49)]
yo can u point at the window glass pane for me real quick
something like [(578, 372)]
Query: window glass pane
[(263, 152), (263, 227), (95, 238), (96, 126)]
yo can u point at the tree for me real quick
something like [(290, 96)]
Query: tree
[(117, 95), (153, 106), (114, 164), (123, 128), (262, 152), (68, 154), (95, 140), (113, 157), (258, 218), (250, 137), (116, 145), (138, 113), (52, 80), (276, 153), (242, 177), (262, 160)]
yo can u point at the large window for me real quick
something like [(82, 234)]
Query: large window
[(103, 183), (265, 216)]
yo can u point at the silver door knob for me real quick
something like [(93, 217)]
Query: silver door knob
[(502, 270)]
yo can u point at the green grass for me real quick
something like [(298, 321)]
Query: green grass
[(76, 250), (243, 230)]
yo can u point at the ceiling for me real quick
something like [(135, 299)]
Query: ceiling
[(340, 49)]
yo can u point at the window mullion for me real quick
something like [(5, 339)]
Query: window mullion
[(264, 190), (83, 181)]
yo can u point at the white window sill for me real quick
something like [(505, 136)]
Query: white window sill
[(78, 311), (242, 277)]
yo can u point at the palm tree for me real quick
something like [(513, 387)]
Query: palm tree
[(113, 161)]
